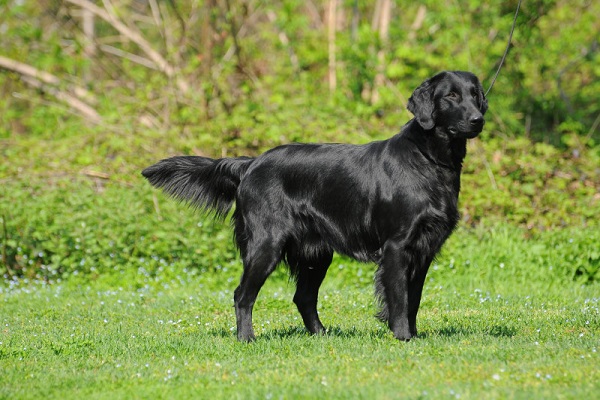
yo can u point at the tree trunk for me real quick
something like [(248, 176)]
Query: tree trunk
[(331, 26), (385, 11)]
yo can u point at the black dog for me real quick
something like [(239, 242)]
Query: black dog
[(392, 202)]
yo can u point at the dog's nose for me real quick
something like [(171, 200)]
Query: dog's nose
[(476, 120)]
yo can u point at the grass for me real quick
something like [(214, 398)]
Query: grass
[(172, 336)]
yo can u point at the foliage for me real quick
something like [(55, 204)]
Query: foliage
[(560, 69), (534, 185), (236, 57), (72, 230), (62, 228)]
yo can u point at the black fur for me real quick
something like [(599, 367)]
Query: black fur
[(392, 202), (202, 182)]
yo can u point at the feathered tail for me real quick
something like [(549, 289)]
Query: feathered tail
[(203, 182)]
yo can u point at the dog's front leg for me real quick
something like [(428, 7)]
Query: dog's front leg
[(394, 277)]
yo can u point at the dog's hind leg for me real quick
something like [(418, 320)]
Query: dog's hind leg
[(259, 263), (393, 282), (310, 275)]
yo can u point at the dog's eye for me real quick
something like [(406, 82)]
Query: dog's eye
[(452, 95)]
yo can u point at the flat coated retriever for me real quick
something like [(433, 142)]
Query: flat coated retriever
[(392, 202)]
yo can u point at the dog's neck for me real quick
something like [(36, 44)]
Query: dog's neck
[(437, 146)]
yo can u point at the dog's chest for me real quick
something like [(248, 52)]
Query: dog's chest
[(436, 214)]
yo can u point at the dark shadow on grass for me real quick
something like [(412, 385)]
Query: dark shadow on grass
[(222, 332), (297, 332), (502, 331), (497, 331), (335, 331)]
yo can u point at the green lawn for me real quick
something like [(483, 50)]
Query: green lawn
[(172, 336)]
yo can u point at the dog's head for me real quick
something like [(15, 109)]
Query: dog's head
[(452, 101)]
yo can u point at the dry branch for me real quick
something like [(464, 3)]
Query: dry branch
[(129, 56), (46, 81), (136, 37), (43, 76)]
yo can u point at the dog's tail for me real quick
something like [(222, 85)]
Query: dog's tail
[(202, 182)]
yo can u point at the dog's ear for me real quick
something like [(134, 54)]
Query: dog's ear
[(483, 103), (481, 99), (421, 105)]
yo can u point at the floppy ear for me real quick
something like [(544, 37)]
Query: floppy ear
[(483, 103), (421, 105)]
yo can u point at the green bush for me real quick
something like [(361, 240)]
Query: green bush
[(74, 230), (546, 88), (79, 228)]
